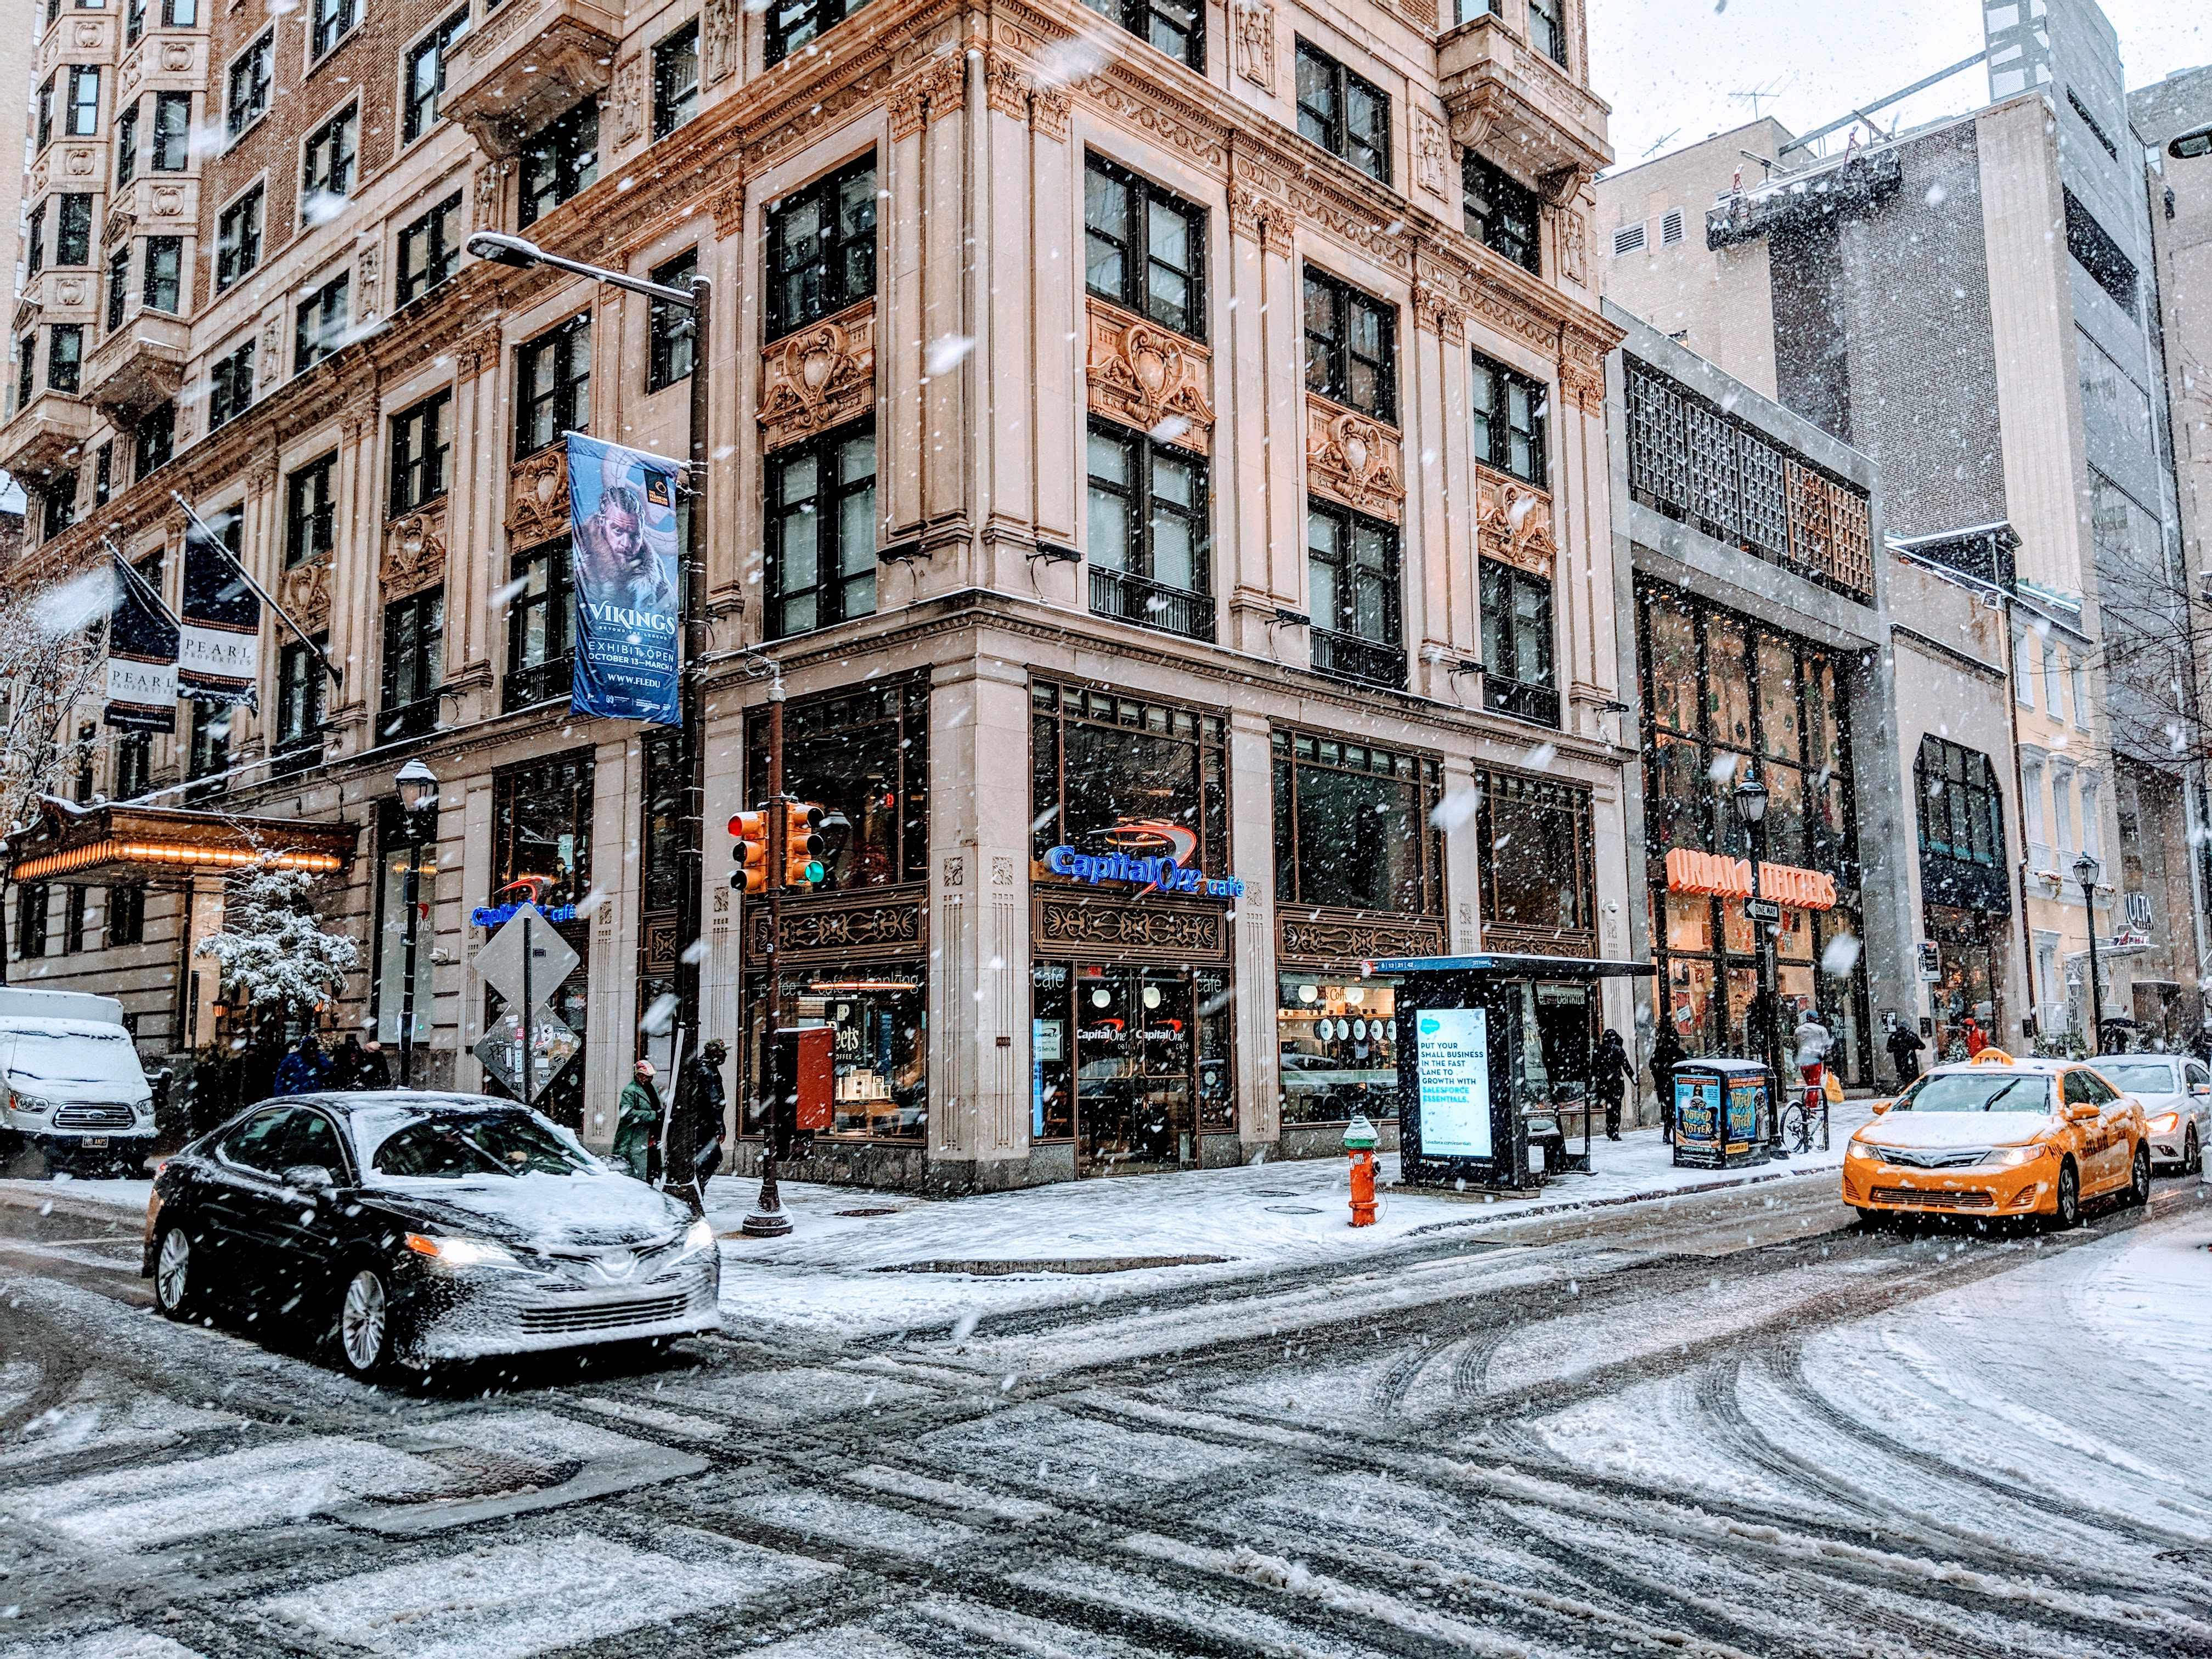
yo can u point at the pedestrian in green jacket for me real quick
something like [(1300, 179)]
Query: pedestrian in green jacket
[(637, 1122)]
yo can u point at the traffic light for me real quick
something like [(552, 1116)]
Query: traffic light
[(802, 844), (751, 830)]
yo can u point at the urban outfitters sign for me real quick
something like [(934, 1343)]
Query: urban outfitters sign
[(1162, 873)]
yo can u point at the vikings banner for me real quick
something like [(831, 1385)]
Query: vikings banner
[(142, 658), (220, 659), (621, 508)]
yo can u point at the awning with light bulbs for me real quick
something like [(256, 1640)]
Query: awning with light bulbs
[(110, 845)]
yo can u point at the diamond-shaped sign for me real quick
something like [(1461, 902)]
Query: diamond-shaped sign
[(552, 1046), (551, 957)]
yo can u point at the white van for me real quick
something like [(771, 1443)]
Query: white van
[(75, 1089)]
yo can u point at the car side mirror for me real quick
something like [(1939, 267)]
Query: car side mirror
[(310, 1178), (2080, 1111), (1881, 1106), (2200, 1088)]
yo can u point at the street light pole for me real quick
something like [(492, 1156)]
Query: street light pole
[(2086, 870), (418, 795), (1751, 797)]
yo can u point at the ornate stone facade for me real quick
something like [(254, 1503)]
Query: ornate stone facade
[(414, 553), (1353, 459), (818, 377), (1149, 377), (1513, 522), (537, 498)]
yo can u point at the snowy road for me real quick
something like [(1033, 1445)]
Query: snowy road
[(1732, 1424)]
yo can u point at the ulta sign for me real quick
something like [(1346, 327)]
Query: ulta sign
[(1162, 872)]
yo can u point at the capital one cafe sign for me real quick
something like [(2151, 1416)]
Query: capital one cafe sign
[(1138, 871)]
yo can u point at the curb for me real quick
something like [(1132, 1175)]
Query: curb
[(60, 1198), (1571, 1205)]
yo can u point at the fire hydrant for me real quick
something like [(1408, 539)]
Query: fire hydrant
[(1359, 1140)]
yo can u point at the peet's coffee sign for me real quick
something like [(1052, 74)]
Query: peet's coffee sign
[(1161, 873)]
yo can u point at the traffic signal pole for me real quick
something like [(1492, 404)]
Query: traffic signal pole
[(768, 1219)]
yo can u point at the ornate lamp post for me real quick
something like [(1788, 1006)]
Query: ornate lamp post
[(2086, 870), (1750, 801), (418, 809)]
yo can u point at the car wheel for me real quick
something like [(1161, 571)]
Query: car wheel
[(365, 1323), (2066, 1210), (1870, 1220), (2193, 1155), (2139, 1182), (174, 1283)]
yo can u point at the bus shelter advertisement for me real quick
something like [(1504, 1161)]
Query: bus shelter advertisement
[(1452, 1074)]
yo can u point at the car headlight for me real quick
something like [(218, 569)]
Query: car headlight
[(2165, 1123), (1860, 1149), (700, 1236), (31, 1105), (462, 1252), (2012, 1155)]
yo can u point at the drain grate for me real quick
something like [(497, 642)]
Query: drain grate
[(480, 1474), (864, 1213), (1111, 1264)]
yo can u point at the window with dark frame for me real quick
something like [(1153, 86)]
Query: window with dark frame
[(863, 750), (34, 241), (44, 123), (84, 100), (164, 275), (1177, 27), (1536, 861), (1351, 346), (422, 453), (426, 75), (230, 386), (1960, 807), (431, 249), (541, 627), (1354, 827), (173, 131), (326, 172), (126, 145), (72, 231), (1548, 28), (676, 80), (1516, 643), (414, 666), (153, 440), (820, 503), (59, 495), (1500, 211), (319, 325), (87, 740), (27, 370), (1150, 548), (560, 162), (333, 20), (792, 24), (103, 473), (134, 21), (1345, 115), (208, 755), (1352, 577), (297, 742), (1144, 247), (247, 84), (64, 356), (311, 511), (1509, 411), (31, 907), (553, 385), (821, 243), (180, 14), (237, 239), (1100, 758), (118, 286), (126, 909), (669, 351)]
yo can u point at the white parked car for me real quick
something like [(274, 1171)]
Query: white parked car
[(2176, 1092), (74, 1089)]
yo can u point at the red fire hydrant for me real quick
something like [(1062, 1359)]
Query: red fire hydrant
[(1359, 1140)]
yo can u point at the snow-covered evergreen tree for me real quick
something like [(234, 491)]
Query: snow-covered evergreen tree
[(272, 952)]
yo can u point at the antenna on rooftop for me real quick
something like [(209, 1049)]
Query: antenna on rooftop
[(1768, 92), (1662, 144)]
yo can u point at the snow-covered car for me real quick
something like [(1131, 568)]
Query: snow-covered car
[(418, 1227), (74, 1088), (1996, 1136), (2176, 1092)]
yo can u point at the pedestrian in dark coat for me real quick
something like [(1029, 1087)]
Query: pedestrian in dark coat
[(1667, 1052), (372, 1070), (1609, 1074), (1905, 1045), (304, 1069), (695, 1128), (345, 1064)]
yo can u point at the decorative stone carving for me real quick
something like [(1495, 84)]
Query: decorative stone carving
[(1440, 309), (1431, 155), (88, 32), (1513, 523), (1158, 931), (167, 201), (1252, 25), (471, 351), (117, 230), (727, 206), (69, 291), (629, 99), (80, 163), (718, 40), (1263, 218), (304, 590), (1562, 185), (369, 283), (1335, 937), (936, 90), (819, 376), (1354, 459), (537, 498), (1574, 247), (176, 56), (414, 553), (1141, 374), (484, 210), (1007, 86), (827, 928), (1582, 371), (1050, 107)]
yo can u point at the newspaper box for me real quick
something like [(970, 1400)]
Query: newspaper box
[(1723, 1118)]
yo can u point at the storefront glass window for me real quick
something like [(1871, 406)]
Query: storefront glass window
[(1537, 862), (864, 753), (1108, 766), (542, 828), (879, 1047), (1352, 826), (1337, 1045), (1131, 1062), (1673, 676)]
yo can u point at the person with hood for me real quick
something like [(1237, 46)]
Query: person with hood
[(696, 1129), (1905, 1045), (1667, 1052), (345, 1063), (1609, 1074), (304, 1070), (371, 1070), (637, 1122)]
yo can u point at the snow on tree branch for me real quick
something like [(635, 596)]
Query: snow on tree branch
[(272, 952)]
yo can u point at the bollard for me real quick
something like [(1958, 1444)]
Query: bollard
[(1359, 1138)]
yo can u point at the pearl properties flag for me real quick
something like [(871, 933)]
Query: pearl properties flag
[(220, 658), (142, 657)]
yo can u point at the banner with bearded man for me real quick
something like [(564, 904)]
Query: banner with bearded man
[(622, 511)]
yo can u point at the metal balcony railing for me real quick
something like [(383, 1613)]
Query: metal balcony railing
[(1132, 598), (1371, 662)]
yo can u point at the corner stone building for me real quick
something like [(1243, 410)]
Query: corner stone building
[(1177, 429)]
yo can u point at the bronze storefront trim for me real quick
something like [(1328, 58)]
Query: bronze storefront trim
[(1541, 941), (1102, 928), (657, 952), (834, 926), (1307, 936)]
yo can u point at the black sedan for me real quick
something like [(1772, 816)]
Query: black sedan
[(424, 1227)]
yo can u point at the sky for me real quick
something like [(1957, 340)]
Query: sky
[(1672, 69)]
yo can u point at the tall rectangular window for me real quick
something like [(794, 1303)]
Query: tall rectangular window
[(180, 14), (1354, 826), (327, 170), (431, 249), (173, 131), (127, 913), (297, 738), (426, 75), (1547, 29), (153, 441), (126, 146), (31, 920), (103, 473), (118, 286), (64, 356), (230, 386), (1508, 411), (208, 755), (34, 241), (26, 369), (414, 640), (1143, 248), (247, 86), (134, 21), (311, 511), (560, 162), (73, 231), (422, 453), (1351, 346), (669, 353), (1352, 579), (821, 506), (1344, 115), (1177, 27), (84, 100), (237, 239), (676, 80), (1516, 644), (60, 497), (1150, 549), (822, 248), (333, 20), (1500, 211), (541, 626), (165, 271), (792, 24), (319, 325), (45, 116), (553, 385)]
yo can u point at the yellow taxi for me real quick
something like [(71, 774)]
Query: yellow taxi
[(1998, 1136)]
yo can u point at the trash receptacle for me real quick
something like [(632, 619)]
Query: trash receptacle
[(1724, 1117)]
